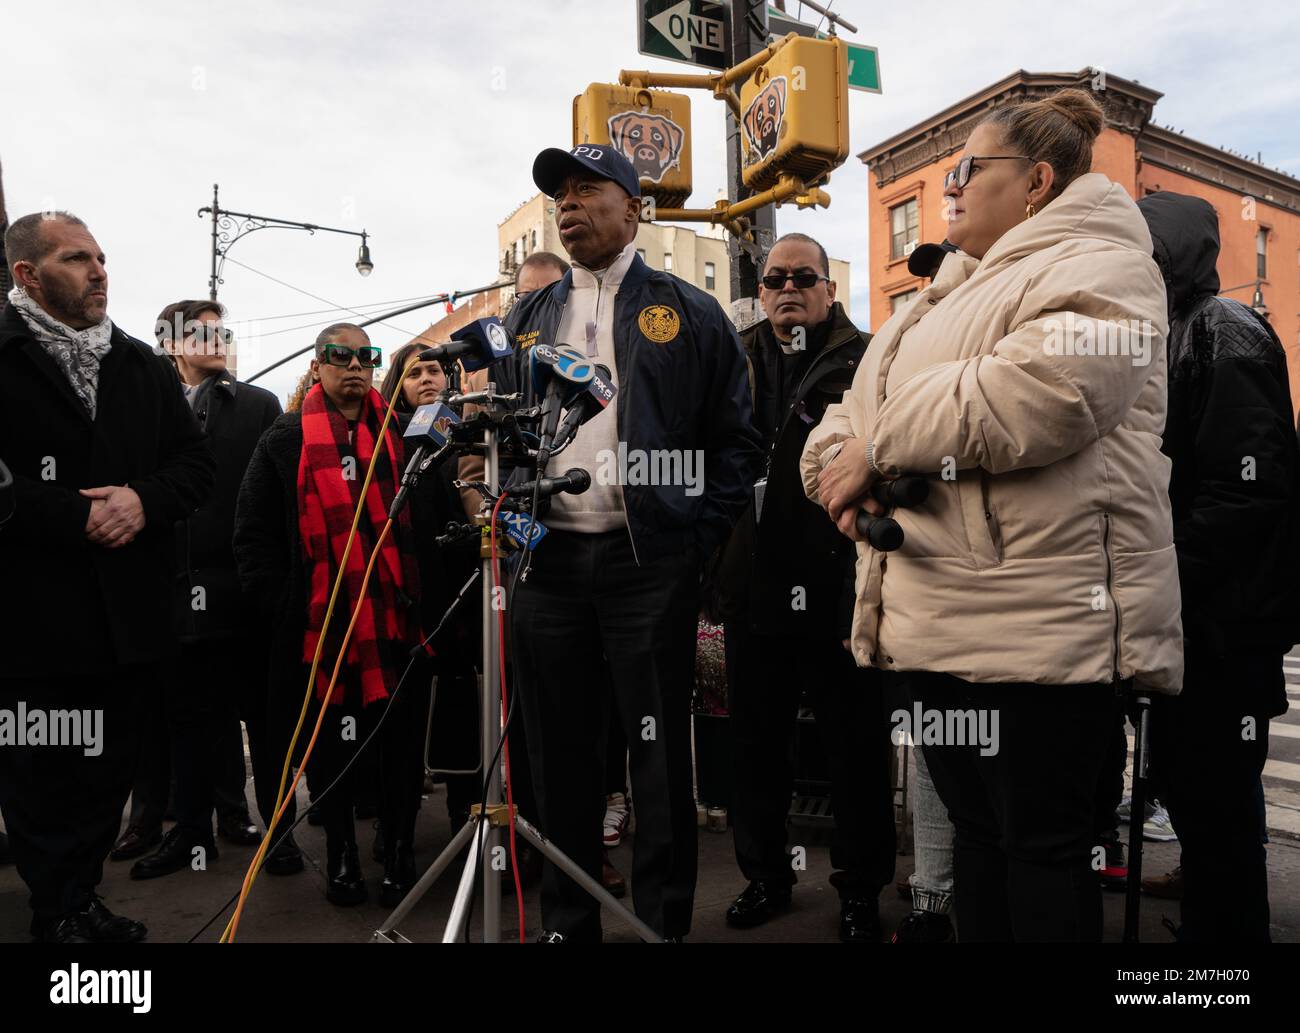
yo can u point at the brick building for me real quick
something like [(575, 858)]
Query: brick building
[(1258, 207)]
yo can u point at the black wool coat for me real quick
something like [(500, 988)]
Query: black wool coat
[(76, 607), (208, 603)]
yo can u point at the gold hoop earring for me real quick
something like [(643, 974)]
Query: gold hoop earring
[(1030, 211)]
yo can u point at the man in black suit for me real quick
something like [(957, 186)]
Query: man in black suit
[(220, 673), (106, 457)]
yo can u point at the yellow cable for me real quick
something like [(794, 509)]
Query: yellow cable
[(256, 866)]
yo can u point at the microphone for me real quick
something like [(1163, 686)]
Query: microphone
[(882, 533), (589, 403), (904, 493), (478, 344), (575, 482), (558, 374), (430, 431)]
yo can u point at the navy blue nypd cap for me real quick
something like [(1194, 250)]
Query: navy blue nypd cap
[(554, 165)]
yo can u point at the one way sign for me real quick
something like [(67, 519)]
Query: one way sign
[(693, 32)]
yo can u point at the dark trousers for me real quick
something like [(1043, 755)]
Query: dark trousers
[(191, 742), (398, 748), (1209, 746), (151, 780), (589, 622), (766, 678), (1024, 817), (63, 809), (203, 702), (457, 742)]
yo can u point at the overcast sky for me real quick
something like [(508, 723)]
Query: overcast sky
[(419, 121)]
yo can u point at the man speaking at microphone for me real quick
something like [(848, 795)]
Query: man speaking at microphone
[(611, 601)]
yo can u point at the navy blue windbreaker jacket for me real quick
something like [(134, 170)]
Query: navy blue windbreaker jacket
[(682, 384)]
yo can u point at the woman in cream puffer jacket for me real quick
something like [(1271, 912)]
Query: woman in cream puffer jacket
[(1027, 382)]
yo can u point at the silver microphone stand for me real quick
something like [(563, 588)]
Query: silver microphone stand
[(484, 831)]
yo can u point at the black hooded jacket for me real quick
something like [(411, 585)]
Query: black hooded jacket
[(1235, 482)]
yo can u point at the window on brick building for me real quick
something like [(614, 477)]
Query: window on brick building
[(668, 261), (897, 301), (710, 276), (903, 222), (1261, 254)]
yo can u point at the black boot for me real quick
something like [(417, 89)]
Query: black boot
[(177, 853), (345, 885), (399, 874)]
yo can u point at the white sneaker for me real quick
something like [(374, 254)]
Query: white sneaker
[(1125, 808), (1158, 828), (616, 815)]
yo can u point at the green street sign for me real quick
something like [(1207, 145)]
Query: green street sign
[(864, 62), (693, 32), (864, 68)]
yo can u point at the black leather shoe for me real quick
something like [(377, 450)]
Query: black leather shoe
[(346, 886), (175, 854), (759, 902), (238, 828), (399, 875), (106, 927), (69, 929), (285, 859), (859, 920), (135, 842)]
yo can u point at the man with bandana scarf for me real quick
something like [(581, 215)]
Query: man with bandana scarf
[(106, 457)]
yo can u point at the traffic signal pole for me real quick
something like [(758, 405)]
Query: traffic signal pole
[(748, 37)]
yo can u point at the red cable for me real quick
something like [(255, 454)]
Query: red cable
[(505, 715)]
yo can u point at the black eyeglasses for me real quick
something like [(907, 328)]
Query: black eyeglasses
[(208, 333), (368, 355), (960, 176), (803, 279)]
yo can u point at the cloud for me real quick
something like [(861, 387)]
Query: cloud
[(419, 122)]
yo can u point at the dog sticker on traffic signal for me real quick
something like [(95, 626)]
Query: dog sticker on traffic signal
[(763, 119), (652, 143)]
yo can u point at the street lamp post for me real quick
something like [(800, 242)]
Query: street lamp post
[(229, 227)]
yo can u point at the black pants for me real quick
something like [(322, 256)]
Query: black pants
[(204, 704), (399, 745), (63, 809), (457, 743), (1208, 747), (766, 678), (1024, 816), (589, 622)]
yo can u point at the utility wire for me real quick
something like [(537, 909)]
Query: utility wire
[(341, 308), (309, 294)]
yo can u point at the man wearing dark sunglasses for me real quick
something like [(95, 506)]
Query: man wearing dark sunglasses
[(784, 592), (207, 691)]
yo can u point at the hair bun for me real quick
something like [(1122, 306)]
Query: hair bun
[(1080, 108)]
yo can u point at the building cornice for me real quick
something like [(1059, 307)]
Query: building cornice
[(1128, 106), (1167, 149)]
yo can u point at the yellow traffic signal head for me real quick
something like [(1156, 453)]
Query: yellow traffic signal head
[(651, 128), (795, 113)]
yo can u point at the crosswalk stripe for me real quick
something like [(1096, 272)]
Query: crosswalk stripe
[(1283, 771), (1284, 731)]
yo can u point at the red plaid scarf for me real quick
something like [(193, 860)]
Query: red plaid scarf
[(327, 501)]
